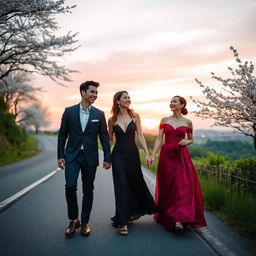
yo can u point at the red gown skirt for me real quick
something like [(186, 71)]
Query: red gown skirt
[(178, 193)]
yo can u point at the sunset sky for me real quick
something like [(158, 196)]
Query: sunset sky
[(152, 49)]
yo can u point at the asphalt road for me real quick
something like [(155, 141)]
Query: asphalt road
[(35, 224), (16, 176)]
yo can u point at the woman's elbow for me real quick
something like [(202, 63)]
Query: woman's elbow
[(159, 140)]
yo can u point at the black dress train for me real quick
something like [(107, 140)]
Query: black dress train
[(132, 196)]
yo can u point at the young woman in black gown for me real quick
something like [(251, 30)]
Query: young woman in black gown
[(132, 196)]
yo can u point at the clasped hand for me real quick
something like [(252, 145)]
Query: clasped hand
[(183, 142), (149, 160)]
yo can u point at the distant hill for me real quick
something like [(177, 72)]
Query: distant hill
[(201, 136), (226, 143)]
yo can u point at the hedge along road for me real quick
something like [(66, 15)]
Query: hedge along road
[(35, 224)]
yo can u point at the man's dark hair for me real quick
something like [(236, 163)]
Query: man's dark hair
[(85, 86)]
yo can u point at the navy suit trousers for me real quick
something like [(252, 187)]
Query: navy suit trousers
[(72, 170)]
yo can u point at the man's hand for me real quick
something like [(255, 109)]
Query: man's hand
[(61, 163), (106, 165)]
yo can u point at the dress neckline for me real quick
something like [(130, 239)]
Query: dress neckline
[(177, 127), (126, 126)]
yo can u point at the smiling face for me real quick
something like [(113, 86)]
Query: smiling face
[(124, 100), (175, 104), (90, 95)]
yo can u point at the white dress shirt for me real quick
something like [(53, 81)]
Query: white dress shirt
[(84, 116)]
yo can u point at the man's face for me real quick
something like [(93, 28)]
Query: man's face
[(90, 95)]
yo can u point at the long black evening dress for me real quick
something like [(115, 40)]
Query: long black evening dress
[(132, 196)]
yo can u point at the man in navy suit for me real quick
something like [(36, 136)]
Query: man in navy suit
[(81, 125)]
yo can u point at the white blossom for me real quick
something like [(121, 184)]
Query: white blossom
[(234, 105), (28, 40), (16, 90), (36, 116)]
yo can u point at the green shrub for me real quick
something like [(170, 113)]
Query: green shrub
[(214, 159), (12, 154), (197, 152), (8, 128), (247, 167), (214, 194), (240, 211), (233, 149)]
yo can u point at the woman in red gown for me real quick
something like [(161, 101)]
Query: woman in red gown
[(178, 192)]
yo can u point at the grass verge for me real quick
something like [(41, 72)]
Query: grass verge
[(13, 154), (237, 210)]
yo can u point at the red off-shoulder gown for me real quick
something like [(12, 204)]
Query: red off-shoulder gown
[(178, 192)]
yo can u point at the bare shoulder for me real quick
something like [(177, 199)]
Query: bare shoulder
[(188, 122), (164, 120), (110, 120), (135, 115)]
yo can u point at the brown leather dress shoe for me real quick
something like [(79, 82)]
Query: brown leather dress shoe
[(85, 230), (73, 225)]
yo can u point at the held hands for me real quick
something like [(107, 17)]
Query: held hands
[(152, 159), (61, 163), (149, 160), (106, 165)]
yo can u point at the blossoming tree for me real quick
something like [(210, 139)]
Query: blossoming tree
[(36, 115), (30, 40), (234, 105), (16, 89)]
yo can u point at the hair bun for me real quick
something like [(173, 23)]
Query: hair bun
[(184, 111)]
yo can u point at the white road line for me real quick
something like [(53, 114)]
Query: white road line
[(10, 200)]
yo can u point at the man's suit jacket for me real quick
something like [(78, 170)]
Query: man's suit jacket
[(71, 136)]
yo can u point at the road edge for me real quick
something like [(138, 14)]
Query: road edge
[(205, 234)]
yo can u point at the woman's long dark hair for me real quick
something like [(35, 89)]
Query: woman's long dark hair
[(115, 110), (184, 110)]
